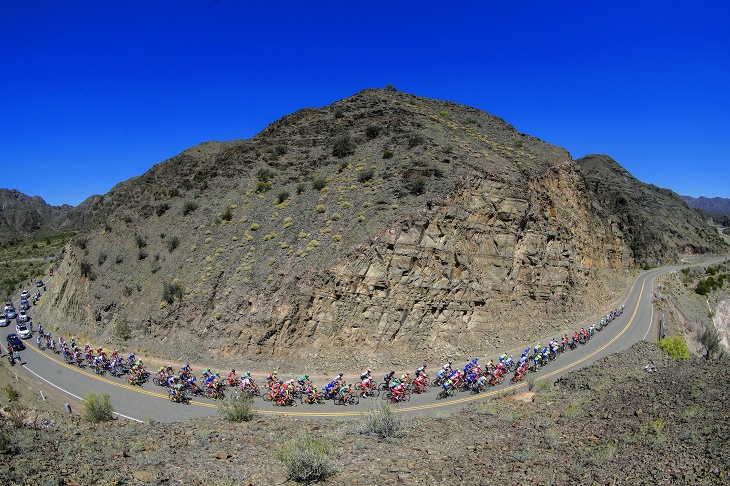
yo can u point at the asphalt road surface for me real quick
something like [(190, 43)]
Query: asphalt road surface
[(152, 402)]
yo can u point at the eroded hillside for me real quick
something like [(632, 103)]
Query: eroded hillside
[(384, 223)]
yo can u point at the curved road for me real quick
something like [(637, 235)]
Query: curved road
[(151, 402)]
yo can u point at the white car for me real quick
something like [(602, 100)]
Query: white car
[(22, 331), (3, 320), (22, 316), (24, 294)]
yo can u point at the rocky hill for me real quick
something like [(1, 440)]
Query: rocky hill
[(23, 217), (386, 223)]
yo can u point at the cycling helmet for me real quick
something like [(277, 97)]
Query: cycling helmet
[(217, 375), (342, 374), (369, 370), (232, 370)]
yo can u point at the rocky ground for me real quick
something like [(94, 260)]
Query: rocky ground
[(610, 423)]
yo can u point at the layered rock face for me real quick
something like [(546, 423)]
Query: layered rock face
[(483, 268)]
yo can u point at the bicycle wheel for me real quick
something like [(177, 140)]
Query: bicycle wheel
[(353, 400)]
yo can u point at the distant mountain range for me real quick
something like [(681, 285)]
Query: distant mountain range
[(714, 206)]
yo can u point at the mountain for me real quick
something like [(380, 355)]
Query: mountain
[(714, 206), (24, 217), (385, 225)]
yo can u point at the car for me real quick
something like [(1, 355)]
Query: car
[(24, 304), (22, 316), (11, 314), (22, 330), (4, 321), (39, 284), (8, 306), (24, 294), (14, 342)]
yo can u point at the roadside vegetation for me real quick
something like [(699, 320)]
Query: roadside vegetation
[(20, 262)]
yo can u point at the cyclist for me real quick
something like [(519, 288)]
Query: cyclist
[(365, 375), (345, 392), (304, 381), (421, 371), (231, 378)]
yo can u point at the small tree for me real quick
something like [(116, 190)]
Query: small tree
[(710, 341)]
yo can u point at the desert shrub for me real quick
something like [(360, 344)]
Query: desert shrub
[(343, 146), (306, 458), (372, 131), (119, 259), (339, 113), (174, 192), (141, 243), (417, 186), (282, 196), (674, 346), (300, 187), (254, 226), (280, 150), (122, 330), (389, 87), (238, 409), (189, 207), (142, 254), (173, 243), (86, 270), (382, 421), (264, 174), (320, 208), (81, 242), (97, 408), (387, 154), (366, 175), (161, 208), (127, 218), (263, 186), (319, 183), (101, 259), (172, 290), (226, 215), (415, 140), (11, 393)]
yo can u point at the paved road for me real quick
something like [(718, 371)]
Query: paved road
[(151, 402)]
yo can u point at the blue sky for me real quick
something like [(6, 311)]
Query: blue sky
[(93, 93)]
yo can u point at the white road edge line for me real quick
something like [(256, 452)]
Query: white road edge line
[(75, 396)]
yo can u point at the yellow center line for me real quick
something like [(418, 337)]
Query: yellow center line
[(398, 409)]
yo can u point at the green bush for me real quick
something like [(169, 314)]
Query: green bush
[(300, 187), (11, 393), (387, 154), (238, 409), (97, 409), (306, 458), (675, 346), (381, 421)]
